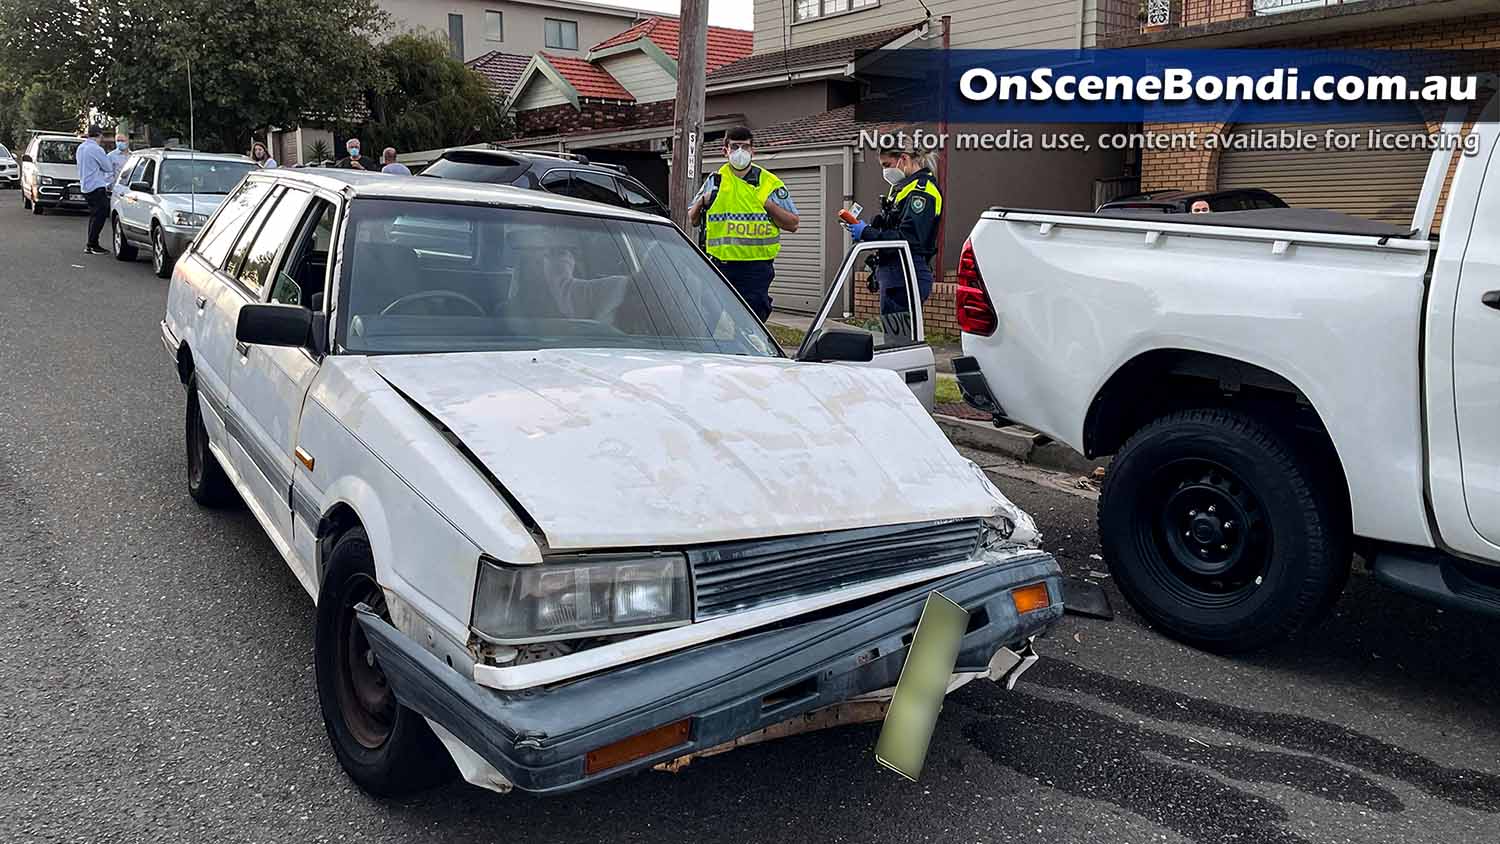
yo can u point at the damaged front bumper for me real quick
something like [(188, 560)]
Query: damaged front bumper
[(545, 739)]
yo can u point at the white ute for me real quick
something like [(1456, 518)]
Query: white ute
[(1279, 389), (563, 504)]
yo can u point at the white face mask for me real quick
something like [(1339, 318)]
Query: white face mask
[(739, 159), (892, 175)]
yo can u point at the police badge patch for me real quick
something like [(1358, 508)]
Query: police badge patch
[(918, 203), (781, 192)]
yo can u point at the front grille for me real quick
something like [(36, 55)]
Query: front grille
[(742, 575)]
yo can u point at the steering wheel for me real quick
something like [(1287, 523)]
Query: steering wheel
[(452, 295)]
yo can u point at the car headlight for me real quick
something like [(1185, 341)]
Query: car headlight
[(183, 218), (580, 596), (48, 180)]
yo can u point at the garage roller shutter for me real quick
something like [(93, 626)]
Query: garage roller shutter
[(1372, 183), (800, 275)]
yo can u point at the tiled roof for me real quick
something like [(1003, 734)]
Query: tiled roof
[(588, 80), (830, 127), (811, 55), (501, 71), (725, 46)]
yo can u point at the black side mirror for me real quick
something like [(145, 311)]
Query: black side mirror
[(26, 156), (841, 344), (141, 187), (274, 325)]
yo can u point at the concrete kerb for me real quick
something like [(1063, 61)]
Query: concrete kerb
[(1017, 443)]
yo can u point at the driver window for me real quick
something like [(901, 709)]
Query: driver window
[(303, 274), (131, 175), (881, 298)]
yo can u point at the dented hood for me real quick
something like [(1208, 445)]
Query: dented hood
[(617, 449)]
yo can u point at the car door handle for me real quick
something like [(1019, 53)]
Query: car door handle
[(916, 376), (202, 302), (243, 349), (1492, 299)]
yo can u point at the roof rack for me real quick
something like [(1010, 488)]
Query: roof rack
[(569, 156)]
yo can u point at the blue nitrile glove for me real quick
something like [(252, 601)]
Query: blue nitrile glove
[(858, 229)]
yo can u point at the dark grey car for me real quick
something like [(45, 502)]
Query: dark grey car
[(573, 176)]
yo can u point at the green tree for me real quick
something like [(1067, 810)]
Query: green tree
[(254, 64), (432, 100), (48, 106)]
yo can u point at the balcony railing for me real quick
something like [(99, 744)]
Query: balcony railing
[(1122, 17)]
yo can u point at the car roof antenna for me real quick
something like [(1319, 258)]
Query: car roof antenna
[(192, 148)]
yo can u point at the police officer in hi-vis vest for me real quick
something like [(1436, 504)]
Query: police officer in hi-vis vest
[(744, 209), (909, 211)]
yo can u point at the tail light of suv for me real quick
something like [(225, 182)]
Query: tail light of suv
[(976, 314)]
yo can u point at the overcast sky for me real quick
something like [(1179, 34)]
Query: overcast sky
[(739, 14)]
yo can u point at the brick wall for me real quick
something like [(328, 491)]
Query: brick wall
[(1183, 169), (591, 115), (939, 312), (1197, 12)]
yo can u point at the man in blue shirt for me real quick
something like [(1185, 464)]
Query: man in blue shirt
[(95, 173), (120, 154)]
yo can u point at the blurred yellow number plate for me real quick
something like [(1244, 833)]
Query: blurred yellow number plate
[(924, 681)]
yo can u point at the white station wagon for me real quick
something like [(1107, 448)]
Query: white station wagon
[(565, 508)]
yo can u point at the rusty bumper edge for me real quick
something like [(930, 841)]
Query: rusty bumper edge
[(539, 738)]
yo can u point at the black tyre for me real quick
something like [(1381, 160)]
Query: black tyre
[(207, 483), (37, 209), (122, 248), (161, 259), (25, 203), (1221, 533), (387, 749)]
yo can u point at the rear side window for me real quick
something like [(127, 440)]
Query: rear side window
[(639, 200), (214, 244), (581, 184)]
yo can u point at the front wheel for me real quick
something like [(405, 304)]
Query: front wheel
[(37, 209), (1220, 533), (387, 749), (161, 260)]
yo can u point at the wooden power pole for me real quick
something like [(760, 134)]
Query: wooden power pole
[(687, 144)]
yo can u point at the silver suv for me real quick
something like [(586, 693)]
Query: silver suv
[(164, 196), (10, 171), (49, 173)]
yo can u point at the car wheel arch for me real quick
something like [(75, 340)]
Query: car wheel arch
[(351, 503), (1164, 380)]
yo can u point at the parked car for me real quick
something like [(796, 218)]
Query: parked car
[(1181, 201), (10, 171), (570, 175), (566, 508), (1278, 387), (163, 197), (49, 173)]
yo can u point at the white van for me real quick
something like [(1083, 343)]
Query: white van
[(49, 173)]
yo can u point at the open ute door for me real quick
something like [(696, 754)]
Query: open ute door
[(900, 343)]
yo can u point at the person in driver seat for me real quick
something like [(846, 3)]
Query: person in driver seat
[(545, 283)]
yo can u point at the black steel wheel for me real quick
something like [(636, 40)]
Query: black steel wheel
[(207, 483), (1220, 532)]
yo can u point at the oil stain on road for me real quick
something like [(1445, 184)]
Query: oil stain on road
[(1166, 778)]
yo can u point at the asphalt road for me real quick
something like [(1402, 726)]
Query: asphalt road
[(156, 681)]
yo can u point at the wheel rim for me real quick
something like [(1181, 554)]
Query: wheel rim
[(119, 241), (1203, 533), (365, 699), (158, 252)]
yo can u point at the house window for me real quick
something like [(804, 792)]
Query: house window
[(561, 35), (456, 36), (807, 10), (494, 26)]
